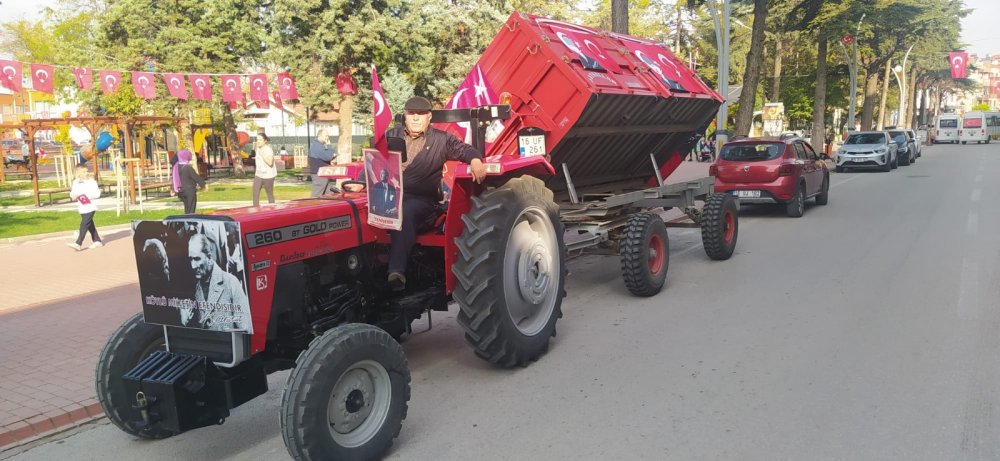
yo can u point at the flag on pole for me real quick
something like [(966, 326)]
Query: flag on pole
[(276, 95), (959, 60), (10, 75), (201, 87), (383, 115), (110, 79), (232, 91), (258, 88), (84, 77), (41, 78), (142, 83), (176, 86)]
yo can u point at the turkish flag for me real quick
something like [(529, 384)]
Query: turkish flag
[(958, 60), (41, 77), (383, 115), (587, 48), (286, 86), (10, 75), (474, 91), (672, 73), (142, 83), (258, 88), (110, 79), (84, 77), (232, 90), (176, 86), (276, 95), (201, 87), (847, 39)]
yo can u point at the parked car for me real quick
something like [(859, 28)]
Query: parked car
[(784, 170), (906, 148), (867, 149), (919, 138)]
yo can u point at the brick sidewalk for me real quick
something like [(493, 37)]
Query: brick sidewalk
[(58, 309)]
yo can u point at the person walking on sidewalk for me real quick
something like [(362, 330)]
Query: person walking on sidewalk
[(186, 179), (84, 192), (264, 170), (320, 155)]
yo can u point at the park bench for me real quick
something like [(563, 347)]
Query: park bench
[(53, 190)]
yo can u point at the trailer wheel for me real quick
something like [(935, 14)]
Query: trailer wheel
[(720, 226), (347, 395), (132, 342), (511, 270), (645, 254)]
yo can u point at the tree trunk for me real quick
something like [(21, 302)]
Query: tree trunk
[(868, 109), (751, 77), (911, 98), (922, 119), (619, 16), (819, 100), (885, 94), (345, 145), (776, 84), (234, 144)]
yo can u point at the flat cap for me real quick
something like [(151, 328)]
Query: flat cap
[(417, 104)]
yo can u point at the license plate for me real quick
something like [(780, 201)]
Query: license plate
[(748, 193), (859, 160), (532, 146)]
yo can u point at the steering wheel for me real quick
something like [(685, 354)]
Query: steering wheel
[(351, 183)]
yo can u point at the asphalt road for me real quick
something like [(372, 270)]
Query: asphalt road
[(868, 329)]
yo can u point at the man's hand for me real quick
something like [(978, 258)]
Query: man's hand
[(478, 170)]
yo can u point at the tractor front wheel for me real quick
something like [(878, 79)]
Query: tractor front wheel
[(132, 342), (347, 395), (511, 270)]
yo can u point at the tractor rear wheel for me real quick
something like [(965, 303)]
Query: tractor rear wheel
[(132, 342), (347, 395), (645, 254), (511, 270), (720, 226)]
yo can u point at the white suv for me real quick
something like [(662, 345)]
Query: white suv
[(867, 149)]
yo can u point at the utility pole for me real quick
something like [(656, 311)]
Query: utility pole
[(852, 65)]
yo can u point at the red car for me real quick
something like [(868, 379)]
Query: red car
[(785, 170)]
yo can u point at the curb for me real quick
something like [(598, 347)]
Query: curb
[(41, 426), (59, 234)]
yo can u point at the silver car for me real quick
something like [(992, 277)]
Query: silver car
[(867, 149), (919, 138)]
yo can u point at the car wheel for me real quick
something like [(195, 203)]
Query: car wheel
[(914, 159), (963, 142), (839, 169), (887, 166), (824, 193), (905, 161), (796, 207)]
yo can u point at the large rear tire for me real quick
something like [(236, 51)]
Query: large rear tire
[(720, 226), (347, 395), (645, 254), (132, 342), (511, 271)]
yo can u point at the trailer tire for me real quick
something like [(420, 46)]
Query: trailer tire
[(511, 270), (720, 226), (645, 254), (354, 376), (128, 345)]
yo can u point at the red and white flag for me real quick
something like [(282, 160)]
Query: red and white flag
[(232, 90), (201, 87), (258, 90), (142, 83), (959, 60), (42, 76), (276, 95), (84, 77), (10, 75), (383, 115), (474, 91), (286, 86), (110, 79), (176, 86), (586, 46)]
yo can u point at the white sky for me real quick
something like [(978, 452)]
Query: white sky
[(979, 29)]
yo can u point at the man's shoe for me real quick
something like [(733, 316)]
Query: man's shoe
[(74, 246), (397, 281), (96, 244)]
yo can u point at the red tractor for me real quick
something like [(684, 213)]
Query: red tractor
[(231, 296)]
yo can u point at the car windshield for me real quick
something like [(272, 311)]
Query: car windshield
[(866, 138), (950, 123), (751, 152), (893, 134)]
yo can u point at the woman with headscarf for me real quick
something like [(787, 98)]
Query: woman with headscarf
[(187, 180)]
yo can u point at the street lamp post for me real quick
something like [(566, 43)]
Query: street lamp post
[(722, 44), (852, 66), (901, 81)]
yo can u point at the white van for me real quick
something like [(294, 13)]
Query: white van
[(979, 127), (946, 128)]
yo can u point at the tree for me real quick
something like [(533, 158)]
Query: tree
[(751, 75)]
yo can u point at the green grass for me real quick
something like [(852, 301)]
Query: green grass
[(26, 185), (43, 222)]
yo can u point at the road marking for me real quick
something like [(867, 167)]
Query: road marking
[(968, 289), (972, 224), (975, 195), (852, 178)]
